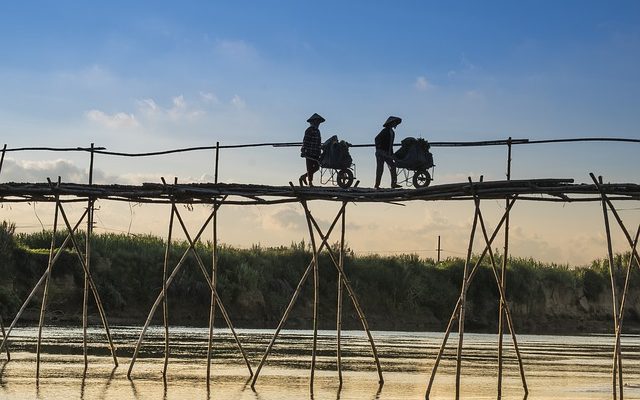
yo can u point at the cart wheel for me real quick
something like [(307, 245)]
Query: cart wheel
[(344, 178), (421, 178)]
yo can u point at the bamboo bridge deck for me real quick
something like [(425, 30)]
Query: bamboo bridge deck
[(558, 190)]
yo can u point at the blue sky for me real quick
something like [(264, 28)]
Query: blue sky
[(139, 76)]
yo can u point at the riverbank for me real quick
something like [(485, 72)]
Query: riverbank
[(402, 293)]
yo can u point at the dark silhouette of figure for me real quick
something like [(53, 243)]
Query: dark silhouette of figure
[(384, 151), (311, 149)]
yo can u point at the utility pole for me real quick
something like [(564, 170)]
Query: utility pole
[(439, 249)]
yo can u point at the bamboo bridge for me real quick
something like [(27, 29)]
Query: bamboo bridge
[(220, 194)]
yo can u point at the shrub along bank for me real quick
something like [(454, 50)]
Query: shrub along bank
[(402, 292)]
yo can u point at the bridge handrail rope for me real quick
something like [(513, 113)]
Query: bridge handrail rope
[(502, 142)]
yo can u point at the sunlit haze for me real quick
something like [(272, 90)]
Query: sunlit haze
[(148, 76)]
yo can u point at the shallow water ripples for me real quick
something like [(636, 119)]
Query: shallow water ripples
[(556, 366)]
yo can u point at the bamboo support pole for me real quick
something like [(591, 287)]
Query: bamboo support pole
[(85, 297), (627, 278), (165, 304), (93, 288), (293, 300), (4, 336), (39, 283), (214, 265), (339, 301), (456, 308), (503, 298), (45, 294), (463, 300), (316, 293), (203, 269), (215, 178), (443, 345), (617, 351), (352, 295), (617, 217), (4, 150), (158, 300), (617, 356), (503, 277), (617, 362)]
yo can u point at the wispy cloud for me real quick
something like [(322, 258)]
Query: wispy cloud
[(113, 121), (209, 98), (39, 171), (422, 84), (238, 102), (180, 109)]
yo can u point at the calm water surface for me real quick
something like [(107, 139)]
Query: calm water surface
[(557, 367)]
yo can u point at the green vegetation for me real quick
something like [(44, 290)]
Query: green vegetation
[(400, 292)]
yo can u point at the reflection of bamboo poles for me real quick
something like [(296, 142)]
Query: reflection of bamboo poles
[(43, 307), (4, 336), (40, 282), (458, 305)]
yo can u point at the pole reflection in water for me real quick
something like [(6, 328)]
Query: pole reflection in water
[(559, 367)]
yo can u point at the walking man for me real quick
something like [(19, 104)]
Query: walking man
[(311, 149), (384, 151)]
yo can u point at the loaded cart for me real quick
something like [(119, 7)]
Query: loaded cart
[(413, 161), (336, 164)]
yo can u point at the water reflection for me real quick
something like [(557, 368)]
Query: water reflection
[(2, 367), (556, 366)]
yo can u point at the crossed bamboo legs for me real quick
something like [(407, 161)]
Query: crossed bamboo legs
[(343, 282), (459, 309), (619, 302), (167, 282), (44, 280)]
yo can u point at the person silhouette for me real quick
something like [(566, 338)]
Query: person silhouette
[(311, 149), (384, 151)]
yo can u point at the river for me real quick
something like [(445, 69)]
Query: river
[(556, 367)]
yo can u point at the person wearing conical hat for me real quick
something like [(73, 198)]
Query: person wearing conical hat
[(384, 151), (311, 149)]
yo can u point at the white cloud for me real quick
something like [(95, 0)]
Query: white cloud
[(39, 171), (287, 219), (423, 84), (208, 97), (180, 109), (114, 121), (238, 102)]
